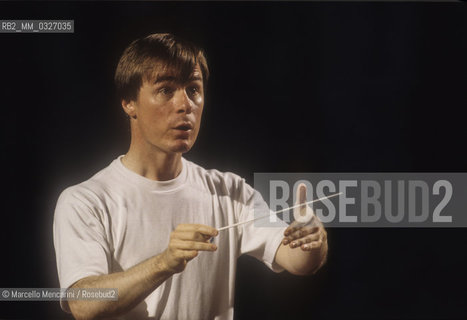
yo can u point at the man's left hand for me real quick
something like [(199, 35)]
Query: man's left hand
[(306, 237), (309, 236)]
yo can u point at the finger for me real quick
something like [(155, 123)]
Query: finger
[(294, 226), (297, 225), (302, 214), (189, 235), (312, 245), (299, 233), (298, 242), (191, 245), (308, 239), (318, 243), (186, 254), (201, 228), (301, 199), (301, 193)]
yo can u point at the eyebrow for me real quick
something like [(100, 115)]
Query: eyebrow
[(164, 78)]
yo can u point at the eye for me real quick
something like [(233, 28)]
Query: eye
[(165, 90), (193, 90)]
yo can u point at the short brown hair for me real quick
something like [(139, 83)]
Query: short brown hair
[(139, 58)]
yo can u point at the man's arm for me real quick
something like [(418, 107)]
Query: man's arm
[(133, 286), (137, 282), (304, 248), (303, 251)]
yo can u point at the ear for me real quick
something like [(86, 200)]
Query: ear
[(129, 108)]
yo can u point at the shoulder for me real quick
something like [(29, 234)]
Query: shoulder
[(218, 182), (90, 192)]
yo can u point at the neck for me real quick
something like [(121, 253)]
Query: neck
[(153, 163)]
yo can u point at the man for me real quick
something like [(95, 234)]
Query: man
[(147, 223)]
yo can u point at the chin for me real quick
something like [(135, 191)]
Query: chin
[(182, 147)]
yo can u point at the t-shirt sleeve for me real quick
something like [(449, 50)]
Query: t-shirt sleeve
[(80, 243), (260, 238)]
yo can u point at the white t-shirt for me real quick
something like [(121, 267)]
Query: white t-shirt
[(117, 219)]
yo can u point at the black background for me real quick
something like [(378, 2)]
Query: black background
[(295, 87)]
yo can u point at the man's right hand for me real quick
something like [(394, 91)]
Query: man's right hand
[(139, 281), (185, 242)]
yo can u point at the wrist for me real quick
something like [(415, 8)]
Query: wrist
[(162, 264)]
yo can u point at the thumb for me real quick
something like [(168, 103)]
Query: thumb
[(302, 214), (301, 194)]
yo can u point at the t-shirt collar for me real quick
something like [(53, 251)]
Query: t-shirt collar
[(152, 185)]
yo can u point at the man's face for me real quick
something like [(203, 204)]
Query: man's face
[(168, 110)]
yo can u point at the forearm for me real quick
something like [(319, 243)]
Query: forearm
[(133, 286)]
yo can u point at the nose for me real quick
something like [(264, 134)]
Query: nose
[(183, 102)]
